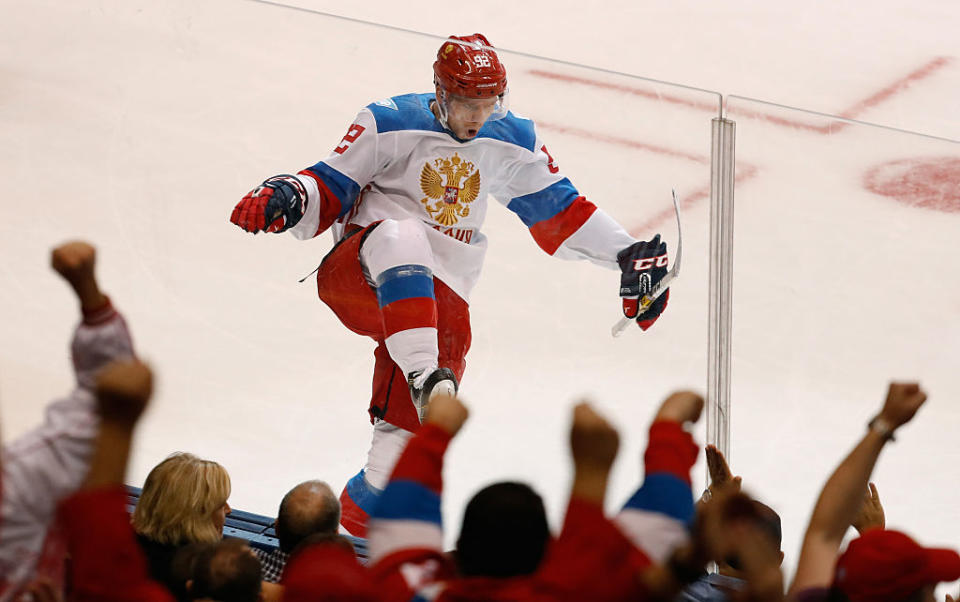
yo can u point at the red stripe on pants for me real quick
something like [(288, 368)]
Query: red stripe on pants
[(343, 287), (404, 314)]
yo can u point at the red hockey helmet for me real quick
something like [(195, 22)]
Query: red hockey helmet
[(468, 66)]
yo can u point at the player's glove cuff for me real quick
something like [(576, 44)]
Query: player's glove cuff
[(287, 202)]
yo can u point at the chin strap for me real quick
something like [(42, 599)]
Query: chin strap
[(441, 113)]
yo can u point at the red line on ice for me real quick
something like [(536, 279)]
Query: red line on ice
[(851, 112), (745, 171), (895, 87), (592, 135), (703, 106)]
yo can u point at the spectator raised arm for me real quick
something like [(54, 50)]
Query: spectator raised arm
[(658, 516), (654, 521), (842, 495), (405, 529), (107, 563), (50, 461)]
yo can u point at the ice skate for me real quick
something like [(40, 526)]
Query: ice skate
[(441, 381)]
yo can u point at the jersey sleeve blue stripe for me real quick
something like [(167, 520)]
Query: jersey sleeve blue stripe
[(544, 204), (408, 500), (345, 189), (666, 494)]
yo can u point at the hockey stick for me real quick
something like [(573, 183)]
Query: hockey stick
[(661, 286)]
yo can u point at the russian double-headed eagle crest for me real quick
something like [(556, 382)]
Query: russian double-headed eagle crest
[(447, 203)]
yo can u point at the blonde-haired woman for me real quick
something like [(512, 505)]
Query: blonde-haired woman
[(184, 501)]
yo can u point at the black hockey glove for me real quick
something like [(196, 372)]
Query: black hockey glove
[(274, 206), (643, 265)]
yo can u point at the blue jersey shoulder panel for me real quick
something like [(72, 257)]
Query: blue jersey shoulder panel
[(412, 112), (512, 129), (406, 112)]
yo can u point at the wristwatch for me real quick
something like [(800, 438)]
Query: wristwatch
[(882, 428)]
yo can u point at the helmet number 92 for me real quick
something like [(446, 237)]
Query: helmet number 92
[(481, 61)]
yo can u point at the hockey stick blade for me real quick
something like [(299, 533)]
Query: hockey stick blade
[(664, 283)]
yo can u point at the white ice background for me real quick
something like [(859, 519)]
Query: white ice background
[(138, 125)]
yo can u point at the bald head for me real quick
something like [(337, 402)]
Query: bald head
[(310, 507)]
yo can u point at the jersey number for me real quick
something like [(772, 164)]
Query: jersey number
[(551, 164), (352, 134)]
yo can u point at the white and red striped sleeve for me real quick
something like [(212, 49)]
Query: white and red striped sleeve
[(334, 184), (658, 516), (50, 461), (561, 220), (405, 533)]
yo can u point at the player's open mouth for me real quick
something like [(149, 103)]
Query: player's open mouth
[(471, 132)]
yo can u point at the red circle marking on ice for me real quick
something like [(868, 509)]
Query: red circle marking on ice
[(929, 182)]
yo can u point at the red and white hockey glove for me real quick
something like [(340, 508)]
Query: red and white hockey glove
[(274, 206), (643, 265)]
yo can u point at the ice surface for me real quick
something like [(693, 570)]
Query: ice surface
[(138, 125)]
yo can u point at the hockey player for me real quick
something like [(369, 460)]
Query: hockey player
[(404, 193)]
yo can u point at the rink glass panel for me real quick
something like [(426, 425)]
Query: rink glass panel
[(844, 277), (139, 128)]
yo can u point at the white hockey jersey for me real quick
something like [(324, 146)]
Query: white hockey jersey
[(397, 161), (50, 462)]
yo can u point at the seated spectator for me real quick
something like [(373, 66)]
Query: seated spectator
[(50, 461), (184, 501), (729, 578), (107, 563), (327, 538), (731, 526), (220, 571), (881, 565), (328, 571), (309, 508), (228, 571)]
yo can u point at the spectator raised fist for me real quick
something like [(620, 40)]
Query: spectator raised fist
[(593, 441), (75, 262), (123, 390), (903, 401), (447, 412), (682, 406)]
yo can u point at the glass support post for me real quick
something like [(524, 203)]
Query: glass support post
[(722, 172)]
